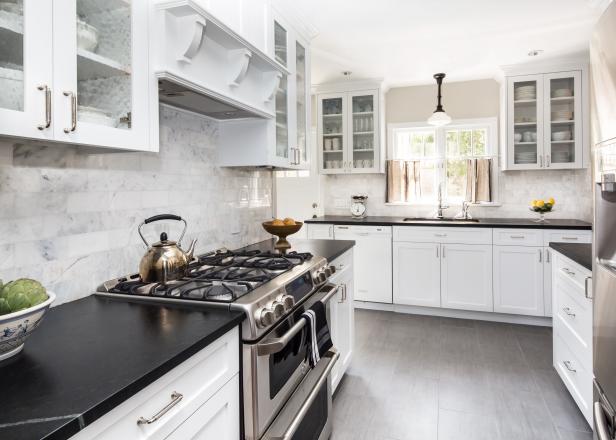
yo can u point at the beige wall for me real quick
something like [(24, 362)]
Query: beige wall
[(461, 100)]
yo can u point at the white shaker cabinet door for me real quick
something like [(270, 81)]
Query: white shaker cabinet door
[(518, 280), (417, 274), (218, 418), (318, 231), (466, 280)]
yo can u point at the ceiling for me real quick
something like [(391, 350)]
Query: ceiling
[(406, 41)]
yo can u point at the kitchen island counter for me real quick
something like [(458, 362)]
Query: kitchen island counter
[(581, 253), (90, 355)]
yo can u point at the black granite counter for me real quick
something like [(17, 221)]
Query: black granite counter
[(90, 355), (482, 223), (330, 249), (581, 253)]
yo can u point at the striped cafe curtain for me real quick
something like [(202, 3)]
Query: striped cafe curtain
[(403, 181), (478, 180)]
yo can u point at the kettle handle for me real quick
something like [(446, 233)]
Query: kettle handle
[(159, 217)]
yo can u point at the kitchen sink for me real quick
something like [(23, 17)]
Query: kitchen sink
[(439, 220)]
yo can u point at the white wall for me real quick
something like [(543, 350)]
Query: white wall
[(464, 100), (70, 219)]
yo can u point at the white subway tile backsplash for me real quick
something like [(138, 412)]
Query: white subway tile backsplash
[(70, 219)]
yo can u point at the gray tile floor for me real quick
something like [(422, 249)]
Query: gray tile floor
[(428, 378)]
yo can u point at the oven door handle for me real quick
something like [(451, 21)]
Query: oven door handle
[(276, 345), (297, 420)]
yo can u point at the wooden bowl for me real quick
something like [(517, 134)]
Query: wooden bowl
[(282, 232)]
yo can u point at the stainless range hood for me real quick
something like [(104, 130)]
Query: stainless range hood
[(178, 93)]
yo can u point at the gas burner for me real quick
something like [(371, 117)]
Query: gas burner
[(219, 276)]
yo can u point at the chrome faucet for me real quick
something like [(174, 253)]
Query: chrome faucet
[(464, 214), (440, 207)]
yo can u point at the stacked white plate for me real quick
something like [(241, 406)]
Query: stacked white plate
[(525, 93), (562, 115), (525, 157), (561, 135), (561, 156), (562, 93)]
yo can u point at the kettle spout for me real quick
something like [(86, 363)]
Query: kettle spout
[(191, 250)]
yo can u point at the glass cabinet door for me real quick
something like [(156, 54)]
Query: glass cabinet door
[(563, 108), (102, 86), (282, 119), (301, 98), (25, 68), (363, 125), (280, 44), (525, 122), (332, 133)]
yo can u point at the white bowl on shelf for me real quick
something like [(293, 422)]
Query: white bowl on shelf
[(562, 93), (561, 136), (562, 115), (16, 327), (87, 36)]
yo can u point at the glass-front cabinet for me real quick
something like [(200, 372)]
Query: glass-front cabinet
[(80, 75), (26, 68), (348, 132), (544, 121)]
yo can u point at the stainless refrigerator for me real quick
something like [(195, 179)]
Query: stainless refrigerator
[(603, 125)]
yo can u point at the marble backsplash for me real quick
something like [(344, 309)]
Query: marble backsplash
[(572, 190), (69, 218)]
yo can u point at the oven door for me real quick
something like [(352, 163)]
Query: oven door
[(306, 416), (275, 366)]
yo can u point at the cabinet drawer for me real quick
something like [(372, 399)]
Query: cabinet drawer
[(320, 231), (518, 237), (566, 236), (570, 271), (575, 376), (421, 234), (197, 379), (573, 319)]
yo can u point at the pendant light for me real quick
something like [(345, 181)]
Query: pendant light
[(439, 117)]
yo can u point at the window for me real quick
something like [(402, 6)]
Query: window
[(443, 153)]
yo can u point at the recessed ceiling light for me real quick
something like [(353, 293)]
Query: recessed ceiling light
[(535, 52)]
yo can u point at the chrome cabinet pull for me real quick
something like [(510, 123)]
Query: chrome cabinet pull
[(443, 251), (440, 235), (47, 91), (540, 161), (437, 252), (175, 399), (587, 292), (570, 238), (73, 98), (342, 294), (540, 255), (567, 310), (567, 365), (547, 255), (516, 236), (568, 272), (547, 161)]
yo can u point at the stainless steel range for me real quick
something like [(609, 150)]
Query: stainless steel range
[(283, 397)]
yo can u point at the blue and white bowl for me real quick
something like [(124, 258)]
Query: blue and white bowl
[(16, 327)]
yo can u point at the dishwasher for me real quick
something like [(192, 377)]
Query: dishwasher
[(372, 259)]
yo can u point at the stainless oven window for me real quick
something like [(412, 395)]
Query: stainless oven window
[(283, 364), (315, 420)]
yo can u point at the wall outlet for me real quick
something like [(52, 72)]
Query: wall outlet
[(341, 203)]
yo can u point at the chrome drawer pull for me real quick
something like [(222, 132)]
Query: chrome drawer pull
[(73, 97), (175, 399), (567, 310), (587, 292), (516, 236), (567, 365), (440, 235), (47, 90), (570, 238), (568, 272)]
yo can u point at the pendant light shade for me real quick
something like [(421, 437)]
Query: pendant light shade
[(439, 117)]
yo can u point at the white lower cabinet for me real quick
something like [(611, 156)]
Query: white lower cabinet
[(518, 280), (466, 277), (197, 399), (342, 321), (417, 274), (372, 261)]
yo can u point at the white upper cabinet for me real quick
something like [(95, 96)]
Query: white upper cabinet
[(26, 69), (547, 121), (350, 126), (101, 83), (76, 71)]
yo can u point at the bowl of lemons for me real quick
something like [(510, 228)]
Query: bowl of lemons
[(542, 207), (282, 229)]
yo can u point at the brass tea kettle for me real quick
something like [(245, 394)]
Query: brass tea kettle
[(165, 260)]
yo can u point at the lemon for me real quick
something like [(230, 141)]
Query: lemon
[(540, 203), (551, 201), (534, 203)]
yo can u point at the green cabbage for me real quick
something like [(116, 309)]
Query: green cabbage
[(17, 301), (4, 307), (23, 293)]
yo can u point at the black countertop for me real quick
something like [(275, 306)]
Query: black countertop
[(330, 249), (90, 355), (522, 223), (581, 253)]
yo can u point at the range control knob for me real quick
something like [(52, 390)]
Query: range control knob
[(321, 277), (332, 269), (328, 271), (287, 300), (277, 308), (265, 317)]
